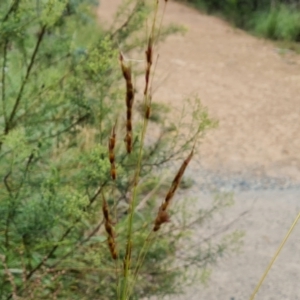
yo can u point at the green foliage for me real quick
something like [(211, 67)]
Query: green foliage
[(281, 23), (60, 96), (277, 20)]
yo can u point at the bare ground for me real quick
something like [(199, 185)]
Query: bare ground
[(253, 89)]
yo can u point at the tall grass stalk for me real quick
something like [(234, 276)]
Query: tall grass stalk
[(261, 281), (149, 57), (126, 283)]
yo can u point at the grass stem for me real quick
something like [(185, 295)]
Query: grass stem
[(275, 257)]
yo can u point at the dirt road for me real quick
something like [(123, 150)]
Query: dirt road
[(253, 89)]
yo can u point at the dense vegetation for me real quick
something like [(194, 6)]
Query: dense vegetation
[(64, 192), (274, 19)]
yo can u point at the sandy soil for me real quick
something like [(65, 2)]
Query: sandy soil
[(253, 89), (270, 216), (246, 83)]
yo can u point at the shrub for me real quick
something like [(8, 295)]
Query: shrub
[(281, 23), (277, 20), (61, 105)]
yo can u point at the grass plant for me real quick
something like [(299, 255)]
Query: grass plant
[(80, 215)]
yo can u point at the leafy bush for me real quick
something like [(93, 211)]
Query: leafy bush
[(282, 23), (277, 20), (61, 94)]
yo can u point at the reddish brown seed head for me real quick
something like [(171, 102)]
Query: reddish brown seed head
[(113, 172), (109, 229), (147, 112), (162, 217), (112, 142), (111, 148), (128, 142), (112, 247), (126, 70), (111, 157), (128, 122), (105, 209), (149, 51)]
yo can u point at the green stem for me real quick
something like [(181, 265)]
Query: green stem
[(13, 8), (3, 80), (125, 290), (132, 209), (8, 125)]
